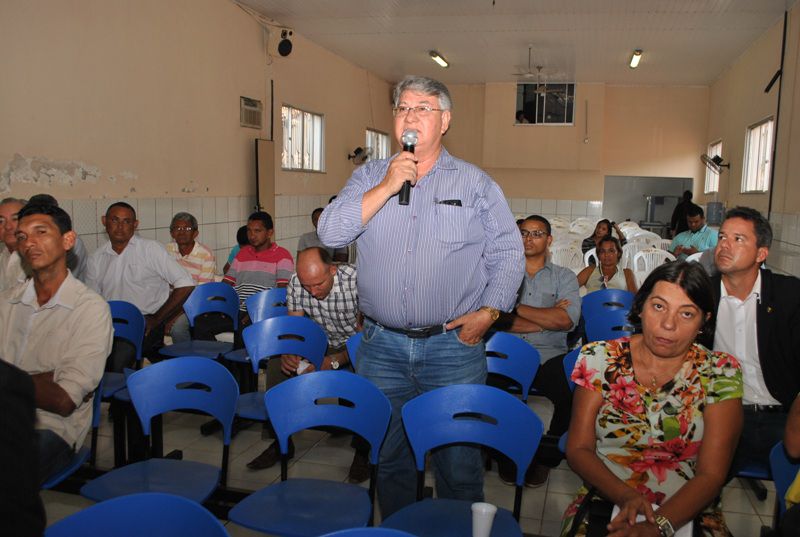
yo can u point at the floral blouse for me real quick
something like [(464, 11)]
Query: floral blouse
[(651, 440)]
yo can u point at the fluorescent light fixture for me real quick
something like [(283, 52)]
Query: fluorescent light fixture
[(636, 58), (438, 58)]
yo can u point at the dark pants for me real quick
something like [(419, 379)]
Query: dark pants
[(761, 431), (54, 453)]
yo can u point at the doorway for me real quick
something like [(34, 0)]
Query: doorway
[(625, 197)]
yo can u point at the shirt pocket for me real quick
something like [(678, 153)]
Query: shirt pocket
[(456, 226)]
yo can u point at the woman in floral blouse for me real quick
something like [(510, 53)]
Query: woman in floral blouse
[(656, 417)]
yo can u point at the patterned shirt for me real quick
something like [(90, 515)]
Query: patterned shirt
[(453, 249), (337, 313), (254, 271), (200, 263), (651, 440), (703, 239)]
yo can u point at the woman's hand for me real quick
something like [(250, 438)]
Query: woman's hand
[(633, 505), (640, 529)]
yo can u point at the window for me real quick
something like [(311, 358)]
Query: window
[(712, 177), (379, 143), (545, 103), (757, 157), (303, 140)]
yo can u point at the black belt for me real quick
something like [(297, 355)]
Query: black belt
[(765, 408), (414, 333)]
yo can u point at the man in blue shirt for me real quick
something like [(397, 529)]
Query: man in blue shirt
[(698, 238), (433, 276)]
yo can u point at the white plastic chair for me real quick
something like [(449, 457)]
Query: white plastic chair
[(653, 239), (695, 257), (630, 249), (664, 244), (587, 257), (646, 260), (566, 256)]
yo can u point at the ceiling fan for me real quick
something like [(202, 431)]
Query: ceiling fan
[(541, 87)]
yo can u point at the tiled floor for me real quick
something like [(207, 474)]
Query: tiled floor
[(321, 455)]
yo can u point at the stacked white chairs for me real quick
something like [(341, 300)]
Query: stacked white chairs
[(664, 244), (588, 256), (648, 259), (567, 255)]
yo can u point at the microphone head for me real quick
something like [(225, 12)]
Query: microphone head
[(409, 137)]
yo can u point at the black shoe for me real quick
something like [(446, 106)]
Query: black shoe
[(507, 471), (269, 457), (536, 476), (359, 469)]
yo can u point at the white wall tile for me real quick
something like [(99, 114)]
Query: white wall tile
[(280, 206), (234, 209), (233, 229), (222, 209), (66, 205), (195, 208), (594, 208), (517, 205), (579, 208), (549, 207), (221, 233), (163, 212), (147, 234), (291, 245), (84, 217), (162, 235), (207, 236), (100, 207), (90, 241), (180, 205), (147, 213), (564, 207), (533, 206), (209, 211)]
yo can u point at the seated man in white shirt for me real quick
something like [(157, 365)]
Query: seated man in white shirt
[(139, 271), (58, 331), (11, 272)]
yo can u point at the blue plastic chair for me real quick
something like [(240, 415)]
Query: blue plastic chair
[(352, 343), (185, 383), (135, 515), (312, 507), (569, 365), (784, 471), (474, 414), (514, 358), (602, 301), (212, 297), (273, 337), (129, 325), (266, 304), (84, 453), (611, 324), (368, 532)]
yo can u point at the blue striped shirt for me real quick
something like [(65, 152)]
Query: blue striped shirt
[(428, 263)]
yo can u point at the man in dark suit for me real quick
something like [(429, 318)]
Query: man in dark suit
[(758, 322)]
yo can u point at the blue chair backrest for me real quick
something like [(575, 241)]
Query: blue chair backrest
[(611, 324), (266, 304), (569, 364), (128, 323), (285, 335), (352, 344), (369, 532), (188, 383), (213, 297), (602, 301), (152, 514), (295, 405), (476, 414), (784, 473), (514, 358)]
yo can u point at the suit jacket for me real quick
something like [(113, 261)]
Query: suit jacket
[(778, 333)]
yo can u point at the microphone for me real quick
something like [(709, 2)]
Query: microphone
[(409, 140)]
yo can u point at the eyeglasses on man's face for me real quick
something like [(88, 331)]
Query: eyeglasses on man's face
[(535, 234), (182, 228), (419, 111)]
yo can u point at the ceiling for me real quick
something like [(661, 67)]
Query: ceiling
[(685, 42)]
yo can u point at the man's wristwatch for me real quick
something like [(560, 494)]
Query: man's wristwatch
[(664, 526), (494, 312), (335, 364)]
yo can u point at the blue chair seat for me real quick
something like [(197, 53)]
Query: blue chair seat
[(112, 383), (448, 518), (195, 347), (191, 480), (314, 505), (77, 461), (250, 406), (239, 355)]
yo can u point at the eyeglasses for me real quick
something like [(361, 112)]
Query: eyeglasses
[(14, 218), (420, 111), (535, 234), (182, 228), (121, 221)]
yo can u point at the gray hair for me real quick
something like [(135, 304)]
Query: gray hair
[(13, 200), (184, 216), (423, 84)]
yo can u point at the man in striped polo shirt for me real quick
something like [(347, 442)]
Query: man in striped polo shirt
[(196, 258), (260, 265)]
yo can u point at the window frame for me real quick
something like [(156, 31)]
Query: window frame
[(763, 168), (312, 161), (710, 174), (388, 146)]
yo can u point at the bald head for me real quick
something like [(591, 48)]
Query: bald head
[(315, 272)]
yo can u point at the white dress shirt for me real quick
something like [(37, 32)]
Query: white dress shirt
[(737, 334), (142, 274), (11, 271)]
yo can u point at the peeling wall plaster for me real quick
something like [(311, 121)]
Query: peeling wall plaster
[(45, 172)]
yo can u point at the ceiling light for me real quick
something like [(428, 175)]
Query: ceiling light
[(636, 58), (438, 58)]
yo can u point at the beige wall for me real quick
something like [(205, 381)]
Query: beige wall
[(142, 98), (786, 194)]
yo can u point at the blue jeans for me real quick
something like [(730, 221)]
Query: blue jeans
[(403, 368), (54, 453)]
